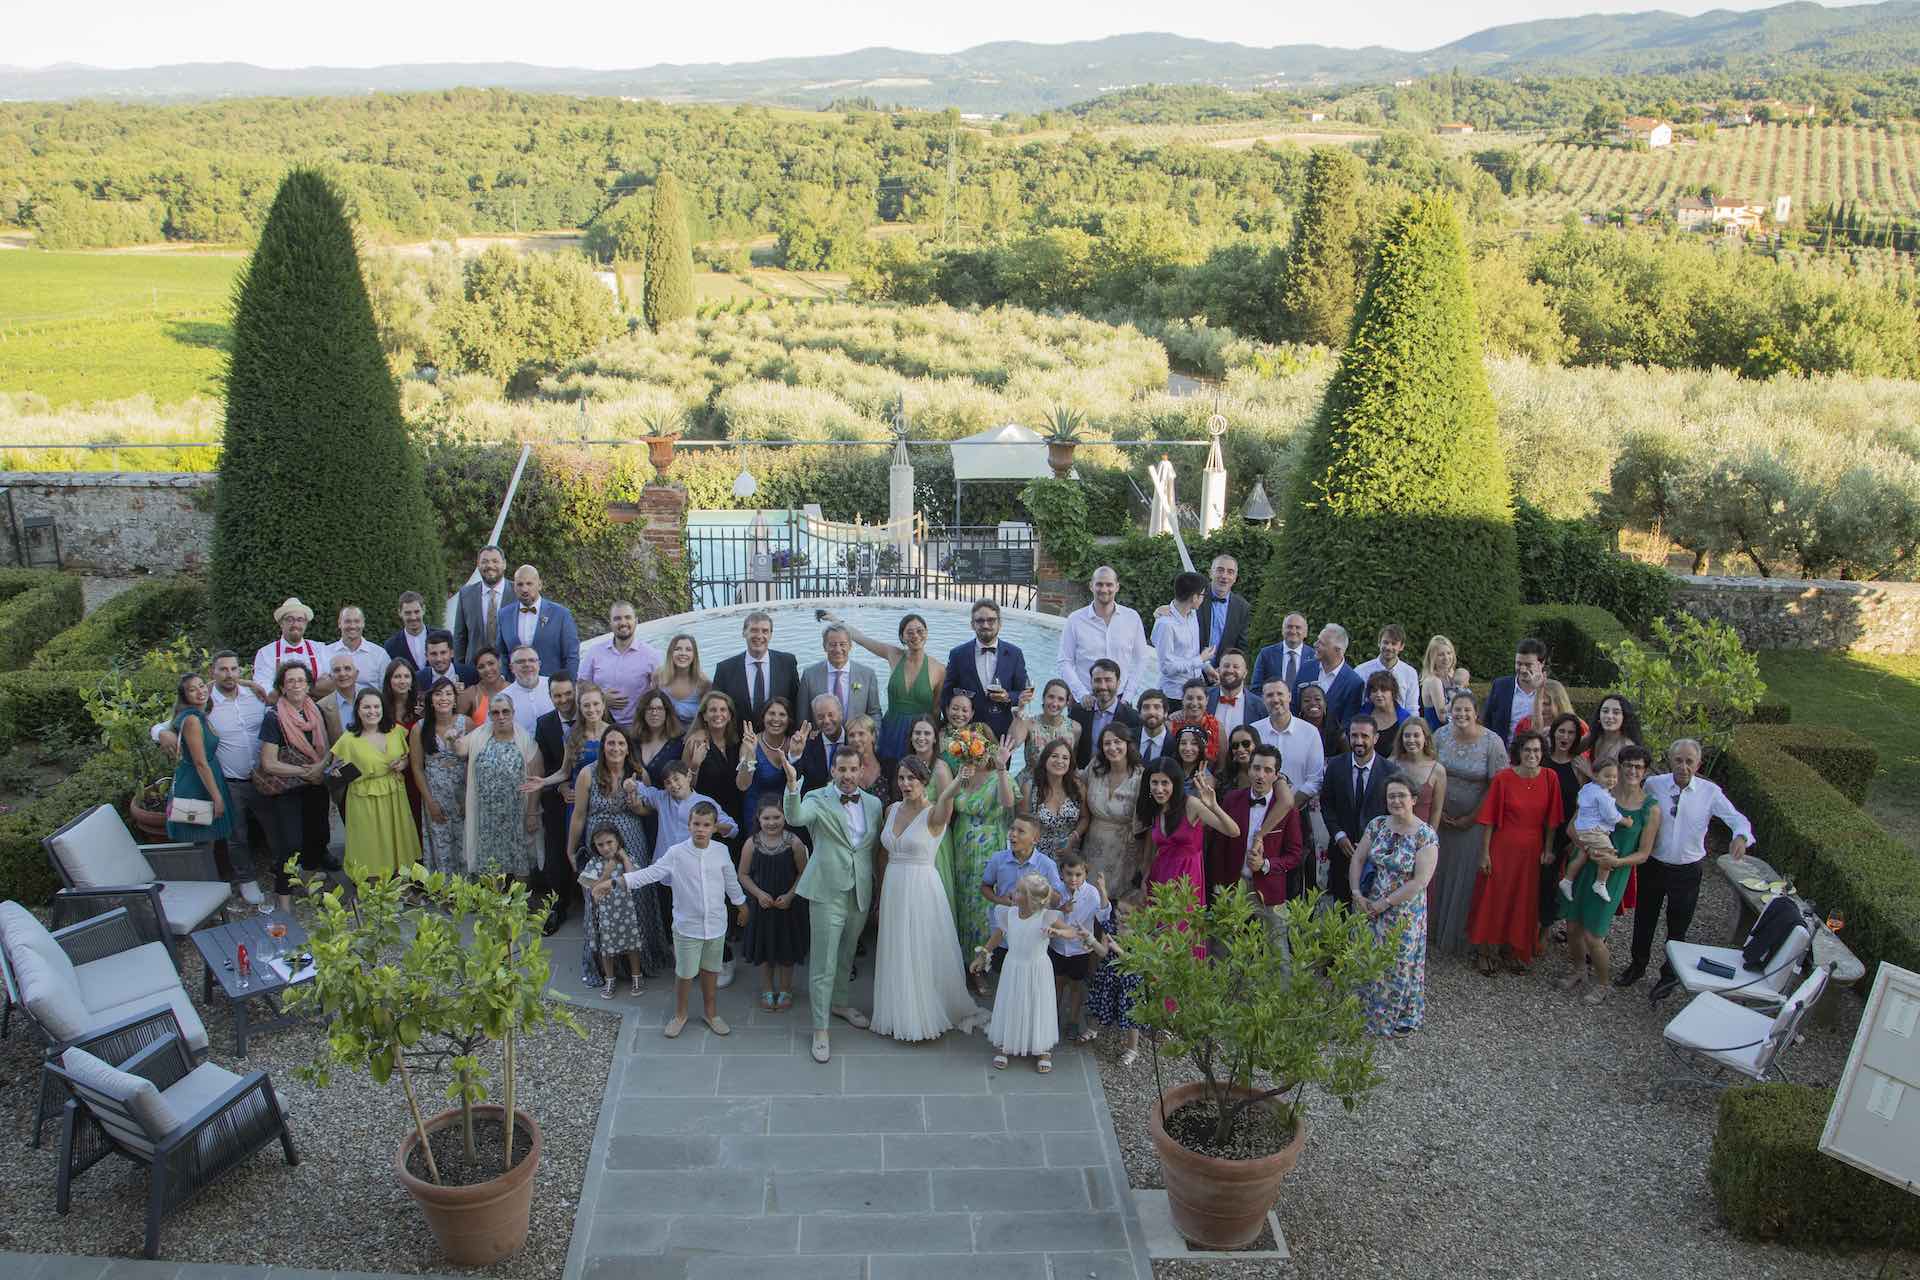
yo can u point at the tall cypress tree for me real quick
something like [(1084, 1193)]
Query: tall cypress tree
[(668, 292), (1322, 277), (319, 493), (1401, 509)]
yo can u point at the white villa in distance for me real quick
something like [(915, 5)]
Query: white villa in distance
[(1645, 129)]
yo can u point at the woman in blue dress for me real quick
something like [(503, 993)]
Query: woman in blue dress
[(198, 775), (1391, 866), (776, 725)]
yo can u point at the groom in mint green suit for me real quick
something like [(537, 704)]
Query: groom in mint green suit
[(844, 822)]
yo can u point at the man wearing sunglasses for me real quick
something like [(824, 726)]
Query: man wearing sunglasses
[(1671, 877)]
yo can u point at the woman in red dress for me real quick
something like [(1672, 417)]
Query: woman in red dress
[(1520, 814)]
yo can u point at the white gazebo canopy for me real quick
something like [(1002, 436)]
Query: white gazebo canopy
[(1009, 452)]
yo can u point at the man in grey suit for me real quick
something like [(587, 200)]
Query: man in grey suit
[(854, 684), (476, 617), (844, 822)]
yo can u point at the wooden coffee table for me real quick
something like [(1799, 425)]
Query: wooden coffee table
[(219, 945)]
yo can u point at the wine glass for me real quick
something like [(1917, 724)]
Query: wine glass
[(277, 930)]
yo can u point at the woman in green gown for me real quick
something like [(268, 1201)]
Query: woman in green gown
[(913, 688)]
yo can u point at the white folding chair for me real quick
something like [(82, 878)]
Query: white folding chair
[(1768, 986), (1715, 1039)]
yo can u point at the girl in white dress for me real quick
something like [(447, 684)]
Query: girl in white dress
[(919, 987), (1025, 1018)]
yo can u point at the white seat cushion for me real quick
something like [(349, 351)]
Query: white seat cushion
[(53, 997), (143, 972), (187, 904), (98, 852), (197, 1089), (21, 931), (192, 1030), (147, 1105), (1685, 958), (1716, 1027)]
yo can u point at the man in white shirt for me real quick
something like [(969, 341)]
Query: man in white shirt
[(293, 618), (235, 714), (369, 659), (1176, 638), (1671, 877), (1285, 659), (1303, 757), (528, 689), (624, 666), (1393, 642), (1104, 629), (1231, 702)]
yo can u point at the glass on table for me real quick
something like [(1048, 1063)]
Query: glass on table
[(277, 932)]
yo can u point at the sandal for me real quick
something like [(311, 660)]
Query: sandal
[(769, 1000), (606, 992), (1087, 1036), (783, 999), (1130, 1057), (999, 1062), (1045, 1064), (639, 988)]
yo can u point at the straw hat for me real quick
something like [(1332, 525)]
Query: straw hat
[(292, 605)]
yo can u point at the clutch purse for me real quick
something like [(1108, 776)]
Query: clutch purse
[(191, 813)]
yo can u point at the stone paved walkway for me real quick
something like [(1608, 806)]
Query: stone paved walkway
[(741, 1156)]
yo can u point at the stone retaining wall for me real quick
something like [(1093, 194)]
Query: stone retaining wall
[(116, 523), (1814, 613)]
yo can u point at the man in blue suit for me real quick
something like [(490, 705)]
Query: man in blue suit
[(1513, 698), (993, 670), (543, 626), (1282, 661), (1346, 692)]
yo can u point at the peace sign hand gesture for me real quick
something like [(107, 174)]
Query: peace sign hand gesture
[(749, 740), (797, 741), (1203, 783)]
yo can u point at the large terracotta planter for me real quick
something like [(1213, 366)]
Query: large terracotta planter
[(660, 450), (476, 1226), (1060, 457), (1218, 1204), (149, 821)]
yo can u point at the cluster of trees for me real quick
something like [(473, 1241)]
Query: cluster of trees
[(1516, 175), (1846, 223)]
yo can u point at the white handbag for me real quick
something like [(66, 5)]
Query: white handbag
[(188, 812)]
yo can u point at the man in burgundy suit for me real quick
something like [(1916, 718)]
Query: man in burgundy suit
[(1267, 863)]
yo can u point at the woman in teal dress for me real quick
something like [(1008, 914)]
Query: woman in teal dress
[(913, 688), (1588, 915), (198, 776), (1391, 867), (982, 812)]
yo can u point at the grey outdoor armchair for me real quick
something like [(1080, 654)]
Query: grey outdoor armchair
[(135, 1091), (169, 890)]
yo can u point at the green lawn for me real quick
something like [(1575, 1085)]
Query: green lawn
[(80, 327), (1876, 696)]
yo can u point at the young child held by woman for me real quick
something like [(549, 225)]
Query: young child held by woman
[(1593, 824), (777, 932), (1026, 1021)]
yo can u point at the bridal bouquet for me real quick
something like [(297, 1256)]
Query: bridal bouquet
[(969, 746)]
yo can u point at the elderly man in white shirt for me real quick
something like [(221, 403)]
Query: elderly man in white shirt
[(369, 659), (1303, 757), (1671, 877), (528, 689), (1104, 629)]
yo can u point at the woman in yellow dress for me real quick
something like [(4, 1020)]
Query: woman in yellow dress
[(381, 837)]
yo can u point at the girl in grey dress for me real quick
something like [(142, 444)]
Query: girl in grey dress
[(612, 925), (1471, 756)]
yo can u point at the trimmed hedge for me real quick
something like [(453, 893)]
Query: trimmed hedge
[(1807, 822), (1575, 635), (134, 621), (35, 616), (39, 704), (24, 874), (1573, 562), (15, 581), (1772, 1183)]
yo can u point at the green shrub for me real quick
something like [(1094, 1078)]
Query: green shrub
[(1403, 483), (128, 625), (1574, 635), (668, 291), (25, 876), (1811, 828), (1321, 282), (320, 493), (15, 581), (35, 616), (1773, 1183), (1572, 562), (46, 706)]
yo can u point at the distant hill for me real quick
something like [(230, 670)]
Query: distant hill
[(1019, 76)]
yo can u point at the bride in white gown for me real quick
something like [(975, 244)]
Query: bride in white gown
[(919, 984)]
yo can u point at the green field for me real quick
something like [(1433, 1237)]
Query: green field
[(80, 327), (1878, 697)]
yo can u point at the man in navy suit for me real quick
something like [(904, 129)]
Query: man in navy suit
[(993, 670), (1224, 611), (541, 625), (1346, 692), (1512, 698), (409, 643), (1283, 661), (1353, 794)]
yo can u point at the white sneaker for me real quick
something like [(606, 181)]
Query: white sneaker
[(726, 974), (250, 893), (1600, 890), (1566, 889)]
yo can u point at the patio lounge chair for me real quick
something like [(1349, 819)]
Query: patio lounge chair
[(1715, 1039), (169, 890), (1769, 986)]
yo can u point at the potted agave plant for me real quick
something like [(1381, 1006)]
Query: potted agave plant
[(1064, 426), (663, 431), (431, 983), (1257, 1026)]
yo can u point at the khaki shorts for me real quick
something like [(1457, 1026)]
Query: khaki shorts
[(691, 955)]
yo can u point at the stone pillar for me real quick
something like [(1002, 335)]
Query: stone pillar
[(1213, 490), (663, 516)]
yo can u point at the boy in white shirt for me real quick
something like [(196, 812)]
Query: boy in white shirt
[(1083, 904), (1593, 824), (700, 873)]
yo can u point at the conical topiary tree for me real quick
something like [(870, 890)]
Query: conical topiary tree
[(668, 291), (1321, 282), (320, 492), (1401, 510)]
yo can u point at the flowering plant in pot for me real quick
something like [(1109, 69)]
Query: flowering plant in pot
[(1257, 1027), (425, 971)]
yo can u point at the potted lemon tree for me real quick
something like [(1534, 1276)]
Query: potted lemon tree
[(1257, 1026), (407, 986)]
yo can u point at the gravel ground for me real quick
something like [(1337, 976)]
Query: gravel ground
[(341, 1208), (1516, 1136)]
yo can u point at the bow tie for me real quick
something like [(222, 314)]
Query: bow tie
[(529, 608), (1259, 802), (987, 648), (847, 799), (1225, 701)]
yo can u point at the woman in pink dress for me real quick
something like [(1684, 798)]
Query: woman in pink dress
[(1177, 823)]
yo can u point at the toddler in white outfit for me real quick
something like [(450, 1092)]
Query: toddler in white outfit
[(1593, 825)]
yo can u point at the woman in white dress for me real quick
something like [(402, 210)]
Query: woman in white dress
[(919, 987)]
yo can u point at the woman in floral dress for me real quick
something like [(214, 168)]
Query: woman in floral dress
[(503, 824), (440, 771), (1401, 852), (982, 812), (1035, 733), (1111, 845), (1055, 799)]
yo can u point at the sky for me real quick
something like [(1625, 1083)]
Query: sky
[(622, 33)]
